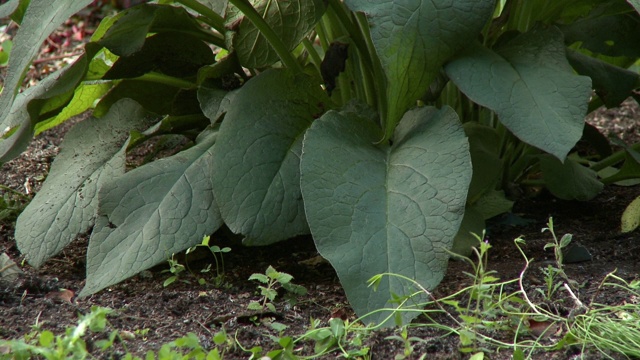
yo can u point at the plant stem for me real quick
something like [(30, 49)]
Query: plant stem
[(313, 54), (613, 158), (167, 80), (285, 55), (212, 18)]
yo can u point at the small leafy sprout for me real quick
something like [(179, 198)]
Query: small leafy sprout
[(175, 268), (12, 202), (557, 246), (219, 264), (273, 281), (551, 272), (407, 341)]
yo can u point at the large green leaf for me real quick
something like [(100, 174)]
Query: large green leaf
[(614, 35), (37, 103), (531, 87), (569, 180), (66, 204), (257, 157), (40, 19), (151, 212), (376, 209), (612, 84), (129, 32), (290, 20), (413, 40)]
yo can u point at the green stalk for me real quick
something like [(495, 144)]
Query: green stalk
[(379, 78), (167, 80), (212, 18), (313, 54), (285, 55), (613, 159)]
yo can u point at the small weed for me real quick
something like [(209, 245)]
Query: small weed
[(273, 281), (407, 341), (12, 202), (175, 268), (217, 252)]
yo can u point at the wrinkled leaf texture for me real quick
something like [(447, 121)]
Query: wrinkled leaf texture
[(413, 40), (151, 212), (530, 85), (66, 205), (376, 209)]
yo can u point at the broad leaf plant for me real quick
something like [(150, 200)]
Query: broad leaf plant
[(388, 130)]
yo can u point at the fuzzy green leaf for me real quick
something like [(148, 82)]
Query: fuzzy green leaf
[(66, 205), (290, 20), (413, 40), (257, 167), (158, 209), (375, 209), (530, 85)]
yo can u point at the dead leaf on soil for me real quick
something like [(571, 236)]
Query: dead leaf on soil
[(64, 295), (543, 328)]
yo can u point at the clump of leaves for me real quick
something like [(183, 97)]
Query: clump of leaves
[(273, 281), (430, 113)]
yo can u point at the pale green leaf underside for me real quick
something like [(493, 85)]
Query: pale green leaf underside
[(414, 38), (531, 87), (66, 204), (257, 176), (374, 209), (151, 212)]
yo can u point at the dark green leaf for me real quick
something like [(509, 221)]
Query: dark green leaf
[(413, 40), (127, 35), (257, 161), (174, 54), (375, 209), (65, 206), (290, 20), (569, 180), (612, 84), (158, 209), (530, 85)]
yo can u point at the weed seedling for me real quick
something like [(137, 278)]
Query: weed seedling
[(273, 281), (175, 268)]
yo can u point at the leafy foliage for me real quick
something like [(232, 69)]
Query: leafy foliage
[(437, 109)]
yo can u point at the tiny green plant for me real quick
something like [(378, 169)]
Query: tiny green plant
[(70, 345), (175, 268), (408, 343), (217, 252), (551, 273), (274, 280), (12, 202)]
